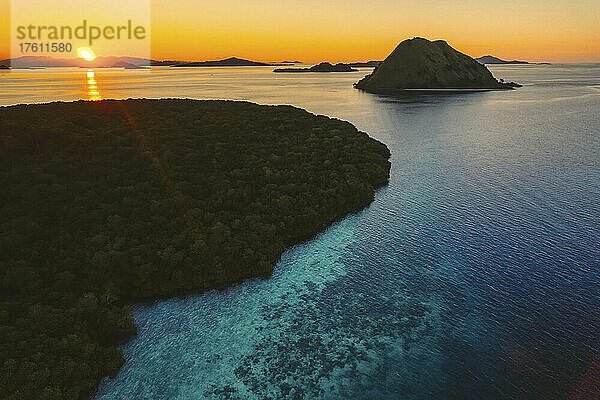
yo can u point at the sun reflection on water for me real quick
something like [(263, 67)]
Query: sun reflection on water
[(92, 86)]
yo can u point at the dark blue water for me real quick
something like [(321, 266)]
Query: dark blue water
[(473, 275)]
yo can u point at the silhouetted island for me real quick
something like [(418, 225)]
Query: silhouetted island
[(110, 203), (126, 65), (165, 63), (51, 62), (367, 64), (4, 67), (228, 62), (322, 67), (120, 64), (133, 66), (496, 60), (422, 64)]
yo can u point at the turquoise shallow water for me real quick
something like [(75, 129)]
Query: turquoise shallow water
[(473, 275)]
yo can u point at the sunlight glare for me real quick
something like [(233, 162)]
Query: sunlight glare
[(92, 86), (86, 53)]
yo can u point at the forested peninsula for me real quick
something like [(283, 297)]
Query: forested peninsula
[(112, 203)]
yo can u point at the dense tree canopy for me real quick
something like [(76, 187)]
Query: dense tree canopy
[(109, 203)]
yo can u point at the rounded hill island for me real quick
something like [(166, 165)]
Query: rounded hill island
[(112, 203), (422, 64)]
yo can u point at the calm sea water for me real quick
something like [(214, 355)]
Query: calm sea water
[(474, 275)]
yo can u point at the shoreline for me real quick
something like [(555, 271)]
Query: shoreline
[(162, 199)]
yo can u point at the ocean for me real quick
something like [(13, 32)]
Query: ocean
[(475, 274)]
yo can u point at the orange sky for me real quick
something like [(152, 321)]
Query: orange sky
[(357, 30), (4, 29)]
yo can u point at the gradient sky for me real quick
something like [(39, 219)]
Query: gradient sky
[(353, 30)]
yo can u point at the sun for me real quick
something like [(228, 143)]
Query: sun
[(86, 53)]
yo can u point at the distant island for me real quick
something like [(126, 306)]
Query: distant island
[(365, 64), (126, 65), (116, 203), (495, 60), (228, 62), (52, 62), (422, 64), (165, 63), (322, 67), (133, 66), (120, 64), (29, 62), (125, 62)]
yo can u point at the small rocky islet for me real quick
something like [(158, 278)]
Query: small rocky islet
[(419, 63)]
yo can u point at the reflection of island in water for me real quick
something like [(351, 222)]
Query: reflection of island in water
[(92, 86)]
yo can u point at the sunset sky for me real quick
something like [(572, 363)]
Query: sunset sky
[(352, 30)]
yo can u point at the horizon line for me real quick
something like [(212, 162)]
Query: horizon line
[(281, 60)]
